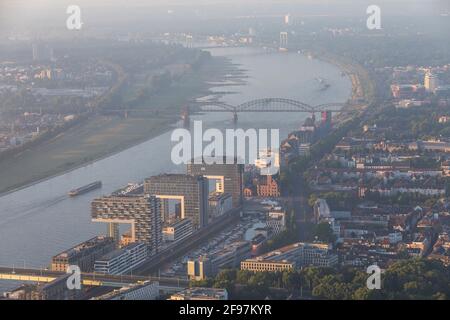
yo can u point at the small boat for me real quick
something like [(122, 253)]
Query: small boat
[(324, 84), (325, 87), (85, 189)]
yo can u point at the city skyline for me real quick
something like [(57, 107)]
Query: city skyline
[(113, 112)]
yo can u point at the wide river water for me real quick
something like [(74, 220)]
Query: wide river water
[(41, 220)]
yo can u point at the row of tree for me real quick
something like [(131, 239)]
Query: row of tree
[(408, 279)]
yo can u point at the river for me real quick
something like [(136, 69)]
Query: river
[(41, 220)]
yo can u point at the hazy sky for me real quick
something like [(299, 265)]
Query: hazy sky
[(331, 3), (31, 14)]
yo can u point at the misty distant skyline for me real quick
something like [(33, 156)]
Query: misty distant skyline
[(38, 15)]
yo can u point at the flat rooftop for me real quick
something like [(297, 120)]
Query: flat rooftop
[(288, 253), (79, 248), (118, 252)]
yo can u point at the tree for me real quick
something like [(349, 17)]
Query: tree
[(291, 280), (226, 275), (242, 276), (416, 279), (324, 233)]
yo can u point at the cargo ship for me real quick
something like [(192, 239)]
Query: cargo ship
[(85, 189)]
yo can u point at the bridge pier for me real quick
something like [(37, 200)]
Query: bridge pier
[(185, 117), (235, 117), (272, 105)]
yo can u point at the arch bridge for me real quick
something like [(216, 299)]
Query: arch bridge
[(269, 105)]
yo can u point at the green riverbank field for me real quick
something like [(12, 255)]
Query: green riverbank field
[(103, 135)]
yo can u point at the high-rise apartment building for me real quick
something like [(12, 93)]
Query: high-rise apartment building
[(191, 191), (288, 19), (219, 204), (283, 40), (431, 82), (141, 212), (42, 52), (229, 175)]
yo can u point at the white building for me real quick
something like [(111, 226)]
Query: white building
[(444, 119), (321, 210), (201, 294), (266, 160), (122, 260), (431, 82), (288, 19), (276, 220)]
